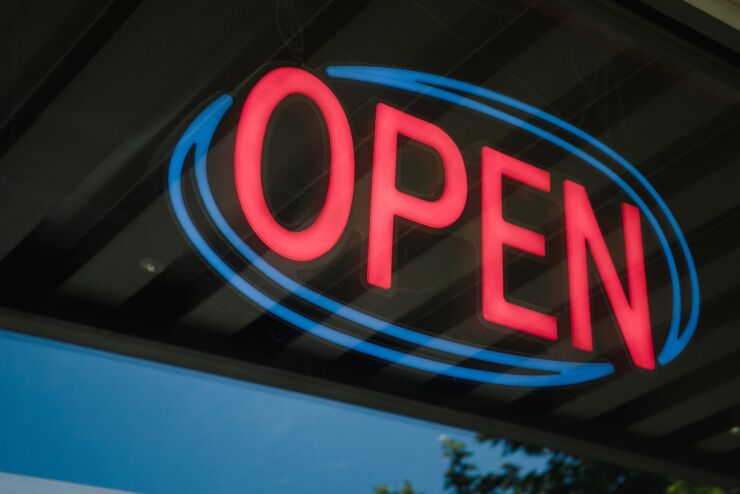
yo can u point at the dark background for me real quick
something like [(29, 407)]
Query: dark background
[(94, 95)]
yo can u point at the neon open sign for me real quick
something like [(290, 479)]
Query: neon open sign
[(629, 301)]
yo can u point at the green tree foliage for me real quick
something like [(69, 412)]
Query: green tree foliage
[(407, 488), (563, 474), (681, 487)]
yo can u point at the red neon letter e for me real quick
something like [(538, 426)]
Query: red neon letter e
[(496, 233), (321, 236), (633, 315), (387, 202)]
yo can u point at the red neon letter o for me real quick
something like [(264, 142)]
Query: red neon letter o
[(318, 238)]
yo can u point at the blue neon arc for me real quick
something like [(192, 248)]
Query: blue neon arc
[(430, 85), (199, 135)]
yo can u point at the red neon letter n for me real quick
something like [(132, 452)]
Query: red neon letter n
[(632, 314)]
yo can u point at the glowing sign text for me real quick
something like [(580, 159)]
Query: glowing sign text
[(583, 236)]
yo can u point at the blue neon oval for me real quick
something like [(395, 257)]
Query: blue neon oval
[(199, 135), (564, 372)]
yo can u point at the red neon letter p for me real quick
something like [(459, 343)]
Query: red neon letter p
[(387, 201)]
